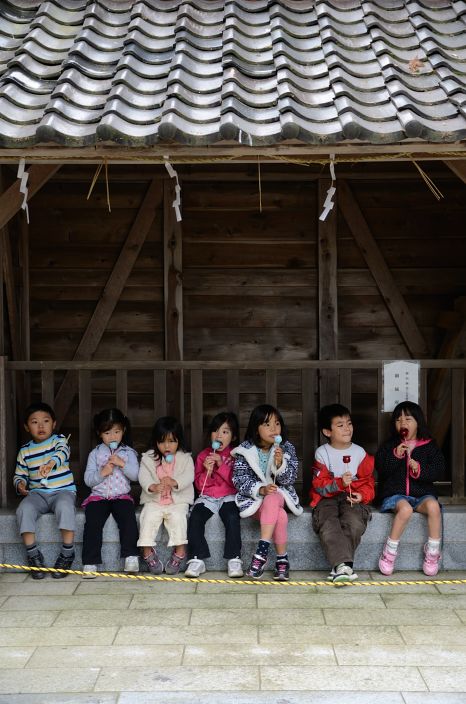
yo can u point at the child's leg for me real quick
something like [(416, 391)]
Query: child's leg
[(403, 512), (125, 517), (326, 523), (149, 523), (280, 533), (229, 514), (31, 507), (96, 513), (268, 514), (353, 521), (431, 508), (197, 544), (176, 523)]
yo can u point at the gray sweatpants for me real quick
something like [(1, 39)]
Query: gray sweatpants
[(35, 504)]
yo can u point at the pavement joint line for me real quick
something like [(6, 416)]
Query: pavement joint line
[(204, 580)]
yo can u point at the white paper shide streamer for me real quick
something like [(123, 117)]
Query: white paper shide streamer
[(24, 175), (328, 203), (177, 202)]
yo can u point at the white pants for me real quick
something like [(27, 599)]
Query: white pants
[(174, 518)]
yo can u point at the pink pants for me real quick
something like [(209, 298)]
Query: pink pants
[(272, 513)]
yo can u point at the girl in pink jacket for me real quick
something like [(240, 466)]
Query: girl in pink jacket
[(212, 479)]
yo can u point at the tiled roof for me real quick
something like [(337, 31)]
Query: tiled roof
[(79, 72)]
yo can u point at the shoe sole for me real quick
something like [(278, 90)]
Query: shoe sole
[(282, 579), (341, 578), (89, 576), (194, 576), (236, 575)]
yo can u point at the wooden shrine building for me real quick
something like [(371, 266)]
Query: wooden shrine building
[(176, 253)]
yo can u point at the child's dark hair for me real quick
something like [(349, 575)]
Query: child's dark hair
[(410, 408), (106, 419), (231, 420), (328, 413), (38, 406), (260, 415), (167, 425)]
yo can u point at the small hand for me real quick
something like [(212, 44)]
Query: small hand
[(355, 498), (168, 483), (107, 469), (347, 478), (208, 465), (269, 489), (401, 450), (117, 461), (216, 458), (45, 469), (278, 455), (154, 488), (414, 466), (22, 488)]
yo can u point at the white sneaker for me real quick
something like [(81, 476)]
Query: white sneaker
[(89, 568), (344, 573), (235, 567), (194, 568), (131, 563)]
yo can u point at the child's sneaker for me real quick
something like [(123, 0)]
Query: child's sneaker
[(344, 573), (131, 564), (387, 561), (235, 567), (63, 562), (431, 563), (154, 563), (36, 560), (194, 568), (282, 571), (88, 570), (257, 567), (173, 565)]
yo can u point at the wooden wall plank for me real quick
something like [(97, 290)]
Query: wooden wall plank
[(85, 416), (457, 435), (233, 391), (122, 390), (197, 411), (400, 311), (111, 294)]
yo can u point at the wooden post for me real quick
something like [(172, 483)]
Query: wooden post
[(233, 391), (309, 431), (197, 410), (173, 296), (4, 409), (327, 296), (457, 432)]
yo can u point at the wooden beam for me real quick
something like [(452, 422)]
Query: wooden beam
[(173, 296), (386, 284), (111, 294), (458, 168), (327, 295), (12, 200)]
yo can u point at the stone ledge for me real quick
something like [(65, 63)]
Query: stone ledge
[(303, 545)]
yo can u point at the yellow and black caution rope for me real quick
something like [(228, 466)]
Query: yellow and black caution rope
[(202, 580)]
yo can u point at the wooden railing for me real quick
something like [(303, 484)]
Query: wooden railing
[(20, 381)]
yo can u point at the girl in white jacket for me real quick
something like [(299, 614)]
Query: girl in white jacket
[(166, 475)]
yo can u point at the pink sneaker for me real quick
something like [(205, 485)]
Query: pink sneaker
[(387, 561), (431, 563)]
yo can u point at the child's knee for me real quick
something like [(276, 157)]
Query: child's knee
[(432, 507), (404, 510)]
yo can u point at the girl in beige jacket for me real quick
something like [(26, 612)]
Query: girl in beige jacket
[(166, 475)]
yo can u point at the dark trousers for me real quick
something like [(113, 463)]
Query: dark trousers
[(97, 513), (197, 544), (340, 527)]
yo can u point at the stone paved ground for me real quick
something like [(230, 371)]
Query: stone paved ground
[(110, 641)]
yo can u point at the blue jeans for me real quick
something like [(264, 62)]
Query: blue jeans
[(389, 503)]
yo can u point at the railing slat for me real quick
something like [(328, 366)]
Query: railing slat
[(345, 387), (197, 410), (85, 415), (457, 432), (160, 393), (122, 390), (47, 386), (233, 391), (308, 388), (271, 387)]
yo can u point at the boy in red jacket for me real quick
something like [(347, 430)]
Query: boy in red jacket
[(342, 486)]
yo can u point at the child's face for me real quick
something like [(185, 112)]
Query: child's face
[(223, 435), (268, 430), (340, 433), (115, 434), (168, 445), (407, 421), (40, 426)]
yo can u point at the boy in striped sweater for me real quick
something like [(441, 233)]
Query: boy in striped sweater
[(43, 477)]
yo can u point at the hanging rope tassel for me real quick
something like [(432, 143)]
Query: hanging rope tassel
[(431, 185)]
